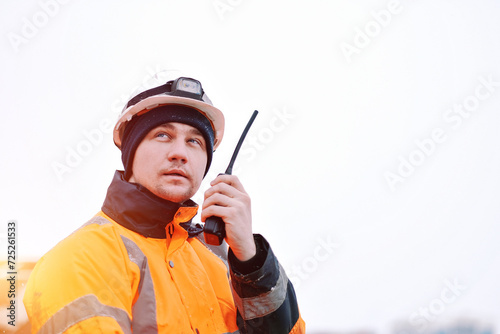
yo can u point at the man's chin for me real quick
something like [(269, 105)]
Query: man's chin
[(174, 195)]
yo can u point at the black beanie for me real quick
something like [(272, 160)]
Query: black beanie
[(139, 127)]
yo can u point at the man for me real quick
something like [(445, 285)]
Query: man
[(139, 265)]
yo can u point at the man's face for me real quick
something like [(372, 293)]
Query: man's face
[(170, 161)]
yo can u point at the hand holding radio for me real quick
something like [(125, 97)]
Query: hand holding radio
[(228, 202)]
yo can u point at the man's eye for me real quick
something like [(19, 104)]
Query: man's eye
[(195, 141), (161, 134)]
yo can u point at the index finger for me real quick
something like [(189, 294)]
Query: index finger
[(231, 180)]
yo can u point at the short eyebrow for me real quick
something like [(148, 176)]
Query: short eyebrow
[(166, 125), (195, 131), (192, 130)]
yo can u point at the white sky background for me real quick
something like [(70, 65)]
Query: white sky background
[(317, 174)]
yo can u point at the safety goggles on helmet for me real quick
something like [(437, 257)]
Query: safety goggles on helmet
[(181, 91)]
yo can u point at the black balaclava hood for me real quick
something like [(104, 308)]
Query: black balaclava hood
[(139, 127)]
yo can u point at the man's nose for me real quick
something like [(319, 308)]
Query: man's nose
[(177, 151)]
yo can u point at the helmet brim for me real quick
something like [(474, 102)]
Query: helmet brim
[(213, 114)]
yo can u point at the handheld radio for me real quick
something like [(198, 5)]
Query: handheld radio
[(215, 230)]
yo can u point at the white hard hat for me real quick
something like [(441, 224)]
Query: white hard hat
[(181, 91)]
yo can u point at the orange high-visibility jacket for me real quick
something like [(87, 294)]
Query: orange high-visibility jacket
[(111, 276)]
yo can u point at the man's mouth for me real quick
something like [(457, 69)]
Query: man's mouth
[(176, 172)]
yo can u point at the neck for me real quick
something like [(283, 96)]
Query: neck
[(136, 208)]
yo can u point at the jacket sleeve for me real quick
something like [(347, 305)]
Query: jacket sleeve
[(74, 288), (264, 296)]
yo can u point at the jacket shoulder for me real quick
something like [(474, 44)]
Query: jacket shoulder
[(96, 239), (86, 264)]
